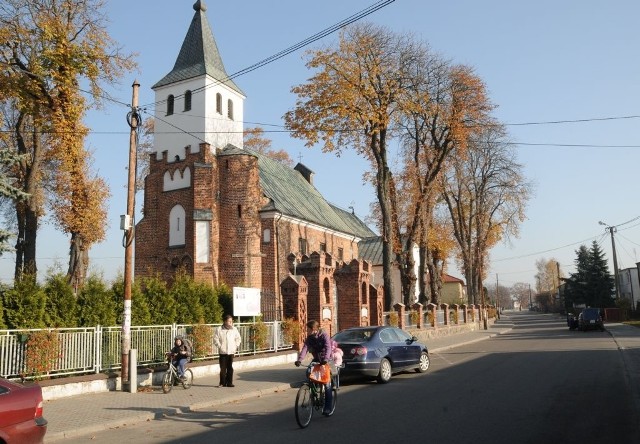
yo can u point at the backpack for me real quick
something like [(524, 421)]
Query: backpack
[(336, 353)]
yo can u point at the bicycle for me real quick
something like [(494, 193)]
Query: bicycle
[(171, 377), (310, 397)]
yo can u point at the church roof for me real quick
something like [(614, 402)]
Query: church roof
[(370, 249), (292, 195), (199, 54)]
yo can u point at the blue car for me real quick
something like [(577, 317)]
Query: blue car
[(378, 352)]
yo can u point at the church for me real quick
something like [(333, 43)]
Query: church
[(228, 215)]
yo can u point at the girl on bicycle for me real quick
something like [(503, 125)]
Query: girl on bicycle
[(180, 355), (318, 343)]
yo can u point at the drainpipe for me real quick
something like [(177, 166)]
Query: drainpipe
[(276, 239)]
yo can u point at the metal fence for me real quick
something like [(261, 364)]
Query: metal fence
[(98, 349)]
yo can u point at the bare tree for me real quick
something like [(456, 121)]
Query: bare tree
[(486, 194)]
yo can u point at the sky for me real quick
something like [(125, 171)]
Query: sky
[(565, 77)]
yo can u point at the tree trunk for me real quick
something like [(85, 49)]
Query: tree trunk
[(78, 262), (383, 179), (423, 292), (27, 211)]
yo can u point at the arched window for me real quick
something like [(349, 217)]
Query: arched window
[(170, 105), (177, 226), (219, 103), (187, 101), (230, 109), (325, 291), (365, 296)]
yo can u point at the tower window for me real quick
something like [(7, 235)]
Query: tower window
[(323, 247), (219, 103), (302, 246), (170, 100), (187, 101), (230, 109), (239, 211)]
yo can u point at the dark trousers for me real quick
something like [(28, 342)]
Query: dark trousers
[(226, 370)]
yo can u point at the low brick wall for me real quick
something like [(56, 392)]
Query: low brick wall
[(98, 383), (424, 334)]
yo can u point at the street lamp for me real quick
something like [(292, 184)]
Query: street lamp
[(615, 259)]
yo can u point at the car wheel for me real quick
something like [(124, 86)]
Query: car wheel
[(423, 365), (385, 371)]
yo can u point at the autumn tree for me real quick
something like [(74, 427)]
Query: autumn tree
[(521, 294), (8, 161), (47, 48), (255, 140), (549, 275), (445, 104), (351, 102), (486, 194)]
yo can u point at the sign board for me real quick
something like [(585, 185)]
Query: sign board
[(246, 301)]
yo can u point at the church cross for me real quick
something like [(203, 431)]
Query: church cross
[(248, 255)]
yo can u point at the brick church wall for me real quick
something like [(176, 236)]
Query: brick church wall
[(239, 229), (153, 253)]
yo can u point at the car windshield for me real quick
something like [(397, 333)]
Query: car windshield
[(590, 314), (356, 335)]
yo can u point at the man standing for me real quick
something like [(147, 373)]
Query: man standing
[(227, 339)]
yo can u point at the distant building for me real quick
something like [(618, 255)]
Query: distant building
[(630, 285), (454, 291)]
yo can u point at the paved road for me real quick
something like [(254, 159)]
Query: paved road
[(264, 395)]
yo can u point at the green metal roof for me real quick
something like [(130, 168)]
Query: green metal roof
[(292, 195), (370, 249), (199, 54)]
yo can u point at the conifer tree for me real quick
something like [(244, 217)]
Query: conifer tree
[(61, 304), (591, 285)]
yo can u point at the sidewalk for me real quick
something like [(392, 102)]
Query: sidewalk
[(85, 414)]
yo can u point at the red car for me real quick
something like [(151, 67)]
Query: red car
[(21, 418)]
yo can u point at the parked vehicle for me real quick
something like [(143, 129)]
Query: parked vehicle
[(378, 352), (21, 419), (590, 319)]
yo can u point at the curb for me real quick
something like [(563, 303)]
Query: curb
[(161, 412)]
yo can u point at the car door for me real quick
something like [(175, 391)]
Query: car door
[(411, 349), (396, 350)]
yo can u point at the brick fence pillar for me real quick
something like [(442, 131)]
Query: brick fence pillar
[(400, 309), (445, 309), (433, 310), (417, 307)]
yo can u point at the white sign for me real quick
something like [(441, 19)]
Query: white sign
[(246, 301)]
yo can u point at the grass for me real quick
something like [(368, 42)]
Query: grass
[(635, 323)]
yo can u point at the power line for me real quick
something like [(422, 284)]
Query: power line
[(325, 32), (556, 122)]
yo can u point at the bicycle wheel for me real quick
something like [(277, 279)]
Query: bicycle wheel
[(334, 400), (304, 405), (188, 379), (167, 381)]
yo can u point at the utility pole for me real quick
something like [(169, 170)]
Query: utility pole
[(611, 230), (127, 224)]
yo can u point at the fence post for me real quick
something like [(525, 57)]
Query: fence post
[(276, 335), (97, 347)]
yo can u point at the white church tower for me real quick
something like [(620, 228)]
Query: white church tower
[(197, 102)]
